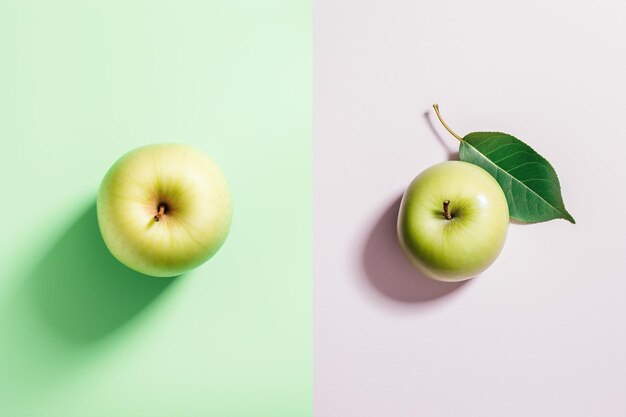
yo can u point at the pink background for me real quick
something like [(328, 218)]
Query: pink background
[(543, 331)]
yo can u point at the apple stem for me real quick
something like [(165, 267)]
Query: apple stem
[(436, 107), (446, 209), (160, 213)]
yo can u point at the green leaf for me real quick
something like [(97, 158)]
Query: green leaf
[(529, 182)]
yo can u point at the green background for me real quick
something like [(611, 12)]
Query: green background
[(81, 83)]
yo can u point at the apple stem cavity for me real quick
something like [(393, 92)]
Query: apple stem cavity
[(160, 213), (436, 107), (446, 209)]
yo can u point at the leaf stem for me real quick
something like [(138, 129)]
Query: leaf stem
[(436, 107)]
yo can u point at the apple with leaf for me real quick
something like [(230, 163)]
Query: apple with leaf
[(454, 216)]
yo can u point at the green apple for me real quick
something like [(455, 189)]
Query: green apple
[(453, 221), (164, 209)]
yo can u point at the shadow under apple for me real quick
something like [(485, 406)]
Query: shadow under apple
[(81, 291), (389, 271)]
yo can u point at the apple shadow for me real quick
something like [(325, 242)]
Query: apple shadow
[(451, 153), (81, 291), (389, 271)]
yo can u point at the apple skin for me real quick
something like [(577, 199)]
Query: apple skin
[(462, 247), (197, 209)]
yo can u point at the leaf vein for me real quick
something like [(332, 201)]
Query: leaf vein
[(498, 169)]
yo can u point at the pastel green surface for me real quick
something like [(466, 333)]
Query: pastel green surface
[(84, 82)]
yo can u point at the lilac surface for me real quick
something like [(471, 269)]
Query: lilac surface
[(542, 331)]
